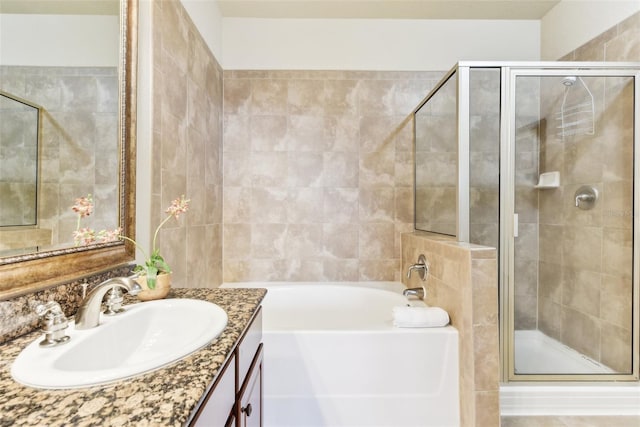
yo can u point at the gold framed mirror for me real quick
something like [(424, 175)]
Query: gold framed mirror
[(29, 272)]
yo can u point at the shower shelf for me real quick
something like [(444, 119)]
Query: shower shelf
[(548, 180)]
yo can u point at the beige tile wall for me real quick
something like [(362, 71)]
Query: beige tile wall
[(318, 173), (187, 146), (463, 280)]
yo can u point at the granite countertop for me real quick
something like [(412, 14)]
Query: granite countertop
[(164, 397)]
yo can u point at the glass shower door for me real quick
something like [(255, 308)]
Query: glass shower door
[(572, 262)]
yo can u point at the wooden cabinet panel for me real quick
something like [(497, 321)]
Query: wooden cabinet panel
[(249, 409), (248, 347), (219, 403), (235, 400)]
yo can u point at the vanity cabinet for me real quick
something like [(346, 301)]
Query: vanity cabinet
[(249, 408), (235, 400), (217, 408)]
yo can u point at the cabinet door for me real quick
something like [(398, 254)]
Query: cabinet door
[(250, 397), (248, 347), (219, 404)]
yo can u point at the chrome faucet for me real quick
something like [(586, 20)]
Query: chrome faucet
[(415, 292), (88, 314)]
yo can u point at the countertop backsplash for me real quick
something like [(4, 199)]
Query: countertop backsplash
[(17, 315)]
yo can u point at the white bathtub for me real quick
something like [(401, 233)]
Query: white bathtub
[(333, 358)]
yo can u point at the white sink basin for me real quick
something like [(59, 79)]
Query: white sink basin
[(147, 336)]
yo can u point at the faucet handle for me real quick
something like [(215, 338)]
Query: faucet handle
[(421, 266), (114, 302), (54, 324)]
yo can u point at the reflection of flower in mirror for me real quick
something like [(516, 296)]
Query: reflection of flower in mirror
[(84, 236), (83, 207)]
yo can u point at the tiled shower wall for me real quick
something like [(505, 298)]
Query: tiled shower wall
[(187, 145), (318, 173), (78, 143)]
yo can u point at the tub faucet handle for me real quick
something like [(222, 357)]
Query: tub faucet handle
[(421, 266)]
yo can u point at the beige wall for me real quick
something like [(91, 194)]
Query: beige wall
[(572, 23), (374, 44), (186, 146), (463, 280), (619, 43), (318, 175)]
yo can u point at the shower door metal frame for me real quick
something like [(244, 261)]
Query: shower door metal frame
[(509, 73)]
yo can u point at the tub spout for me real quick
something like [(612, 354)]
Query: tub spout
[(415, 292)]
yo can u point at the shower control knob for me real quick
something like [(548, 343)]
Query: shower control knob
[(586, 197)]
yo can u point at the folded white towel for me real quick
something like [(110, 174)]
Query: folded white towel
[(419, 317)]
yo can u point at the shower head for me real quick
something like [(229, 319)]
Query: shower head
[(569, 80)]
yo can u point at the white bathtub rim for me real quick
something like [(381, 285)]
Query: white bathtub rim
[(396, 287), (615, 399), (380, 291)]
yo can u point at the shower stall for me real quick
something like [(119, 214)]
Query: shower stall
[(539, 160)]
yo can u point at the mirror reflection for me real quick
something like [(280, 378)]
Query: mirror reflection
[(19, 124), (72, 74)]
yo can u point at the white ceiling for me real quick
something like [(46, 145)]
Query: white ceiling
[(387, 9)]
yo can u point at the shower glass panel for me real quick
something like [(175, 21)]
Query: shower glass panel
[(538, 160), (19, 130), (573, 137), (484, 156), (436, 159)]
